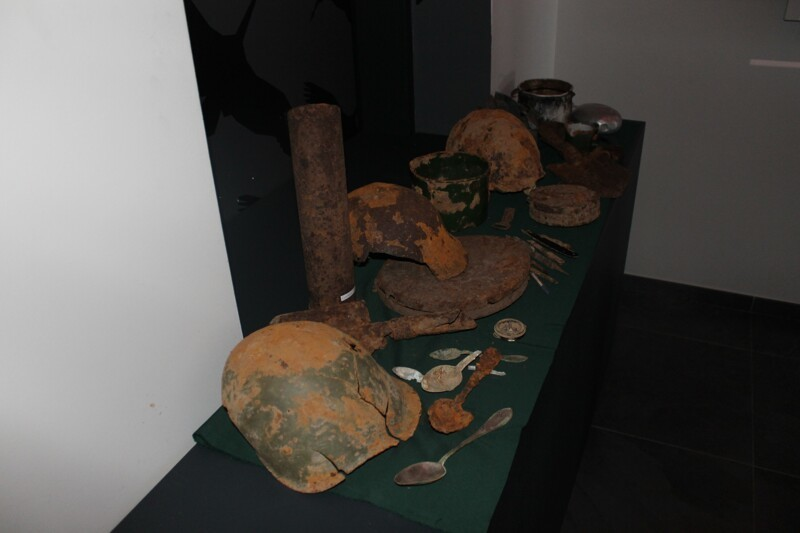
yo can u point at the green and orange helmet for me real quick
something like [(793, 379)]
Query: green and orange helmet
[(313, 403)]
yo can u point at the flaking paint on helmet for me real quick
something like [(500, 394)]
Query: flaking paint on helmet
[(313, 403)]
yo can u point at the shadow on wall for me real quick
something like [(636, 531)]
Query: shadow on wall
[(282, 54)]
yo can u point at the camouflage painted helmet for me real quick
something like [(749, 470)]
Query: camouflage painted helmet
[(397, 221), (505, 142), (313, 403)]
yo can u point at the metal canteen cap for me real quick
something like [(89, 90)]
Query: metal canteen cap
[(606, 119)]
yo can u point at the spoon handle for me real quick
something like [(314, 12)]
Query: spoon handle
[(499, 419), (467, 360)]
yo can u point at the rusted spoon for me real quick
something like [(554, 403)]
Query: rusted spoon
[(447, 415), (443, 378), (428, 471)]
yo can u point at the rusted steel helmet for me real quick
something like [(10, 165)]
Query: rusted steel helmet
[(313, 403), (397, 221), (505, 142)]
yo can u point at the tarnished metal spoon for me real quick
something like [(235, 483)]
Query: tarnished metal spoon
[(443, 378), (412, 374), (407, 373), (448, 354), (429, 471)]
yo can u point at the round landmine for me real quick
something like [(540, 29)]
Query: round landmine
[(564, 205), (509, 329), (496, 275)]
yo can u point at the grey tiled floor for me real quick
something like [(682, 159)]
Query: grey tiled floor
[(697, 426)]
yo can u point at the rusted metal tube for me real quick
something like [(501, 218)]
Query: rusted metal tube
[(315, 132)]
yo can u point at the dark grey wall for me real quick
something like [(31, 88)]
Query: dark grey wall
[(254, 61), (452, 60)]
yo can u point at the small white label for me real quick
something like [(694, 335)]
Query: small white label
[(348, 294)]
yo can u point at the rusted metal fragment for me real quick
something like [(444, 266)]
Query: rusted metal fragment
[(497, 275), (346, 316), (395, 220), (447, 415), (505, 142), (504, 224), (313, 403), (598, 170), (315, 132), (408, 327), (353, 318)]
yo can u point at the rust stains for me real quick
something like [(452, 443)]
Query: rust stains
[(505, 142), (394, 220), (353, 318), (315, 132), (447, 415), (443, 201), (313, 403), (497, 274)]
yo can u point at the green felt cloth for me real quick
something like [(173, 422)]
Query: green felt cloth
[(465, 498)]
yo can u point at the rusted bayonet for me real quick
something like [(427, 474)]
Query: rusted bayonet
[(353, 318)]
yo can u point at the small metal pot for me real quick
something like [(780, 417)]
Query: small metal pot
[(457, 184), (545, 99)]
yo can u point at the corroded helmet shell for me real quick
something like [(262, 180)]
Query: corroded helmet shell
[(313, 403), (505, 142), (397, 221)]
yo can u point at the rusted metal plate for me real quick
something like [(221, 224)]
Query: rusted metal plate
[(505, 142), (396, 221), (315, 132), (496, 276), (598, 170)]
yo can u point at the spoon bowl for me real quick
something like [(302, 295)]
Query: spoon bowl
[(420, 473), (443, 378), (408, 373), (426, 472), (448, 354)]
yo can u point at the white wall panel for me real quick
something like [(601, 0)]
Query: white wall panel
[(116, 305)]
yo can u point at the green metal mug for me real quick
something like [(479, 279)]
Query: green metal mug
[(457, 184)]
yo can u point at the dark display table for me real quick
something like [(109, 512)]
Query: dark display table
[(208, 490)]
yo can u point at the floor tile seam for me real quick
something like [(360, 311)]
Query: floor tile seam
[(692, 339), (774, 471), (779, 356), (743, 310), (674, 446), (710, 294), (749, 310)]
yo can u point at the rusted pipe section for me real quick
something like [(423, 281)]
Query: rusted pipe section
[(315, 133)]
